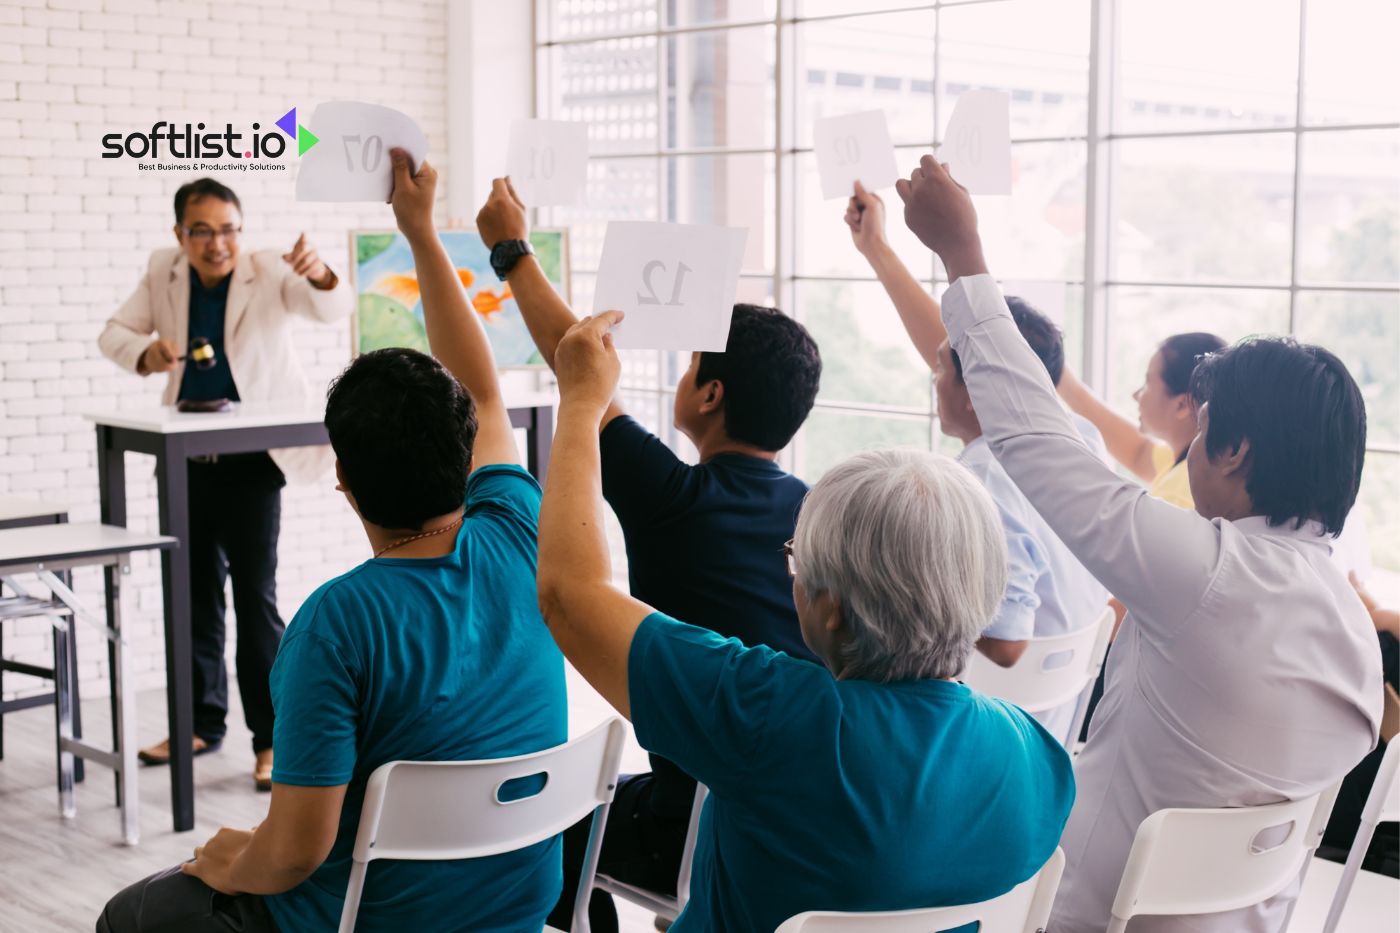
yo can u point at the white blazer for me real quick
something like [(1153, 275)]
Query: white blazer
[(262, 295)]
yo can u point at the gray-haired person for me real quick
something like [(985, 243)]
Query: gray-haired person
[(872, 781)]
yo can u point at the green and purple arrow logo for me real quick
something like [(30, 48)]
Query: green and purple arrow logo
[(304, 137)]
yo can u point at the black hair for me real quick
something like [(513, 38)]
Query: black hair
[(1039, 331), (1305, 422), (770, 370), (202, 188), (403, 430), (1180, 353)]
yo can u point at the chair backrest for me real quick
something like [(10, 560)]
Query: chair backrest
[(440, 810), (452, 809), (1023, 909), (688, 853), (1051, 672), (1211, 860)]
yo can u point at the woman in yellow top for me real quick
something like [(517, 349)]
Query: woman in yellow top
[(1154, 450)]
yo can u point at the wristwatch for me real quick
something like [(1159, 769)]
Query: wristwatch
[(505, 254)]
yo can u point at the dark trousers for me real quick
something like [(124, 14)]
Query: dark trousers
[(235, 517), (173, 902), (639, 847)]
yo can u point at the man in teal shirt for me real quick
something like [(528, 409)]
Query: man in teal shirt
[(431, 650)]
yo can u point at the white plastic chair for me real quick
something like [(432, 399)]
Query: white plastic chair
[(440, 810), (1052, 671), (1211, 860), (1023, 909), (1382, 806), (660, 904)]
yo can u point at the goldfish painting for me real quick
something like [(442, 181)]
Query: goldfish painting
[(486, 302)]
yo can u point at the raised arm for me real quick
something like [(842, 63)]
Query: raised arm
[(455, 333), (1158, 559), (1124, 441), (592, 621), (918, 310), (547, 316)]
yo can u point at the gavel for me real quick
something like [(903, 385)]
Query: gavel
[(202, 353)]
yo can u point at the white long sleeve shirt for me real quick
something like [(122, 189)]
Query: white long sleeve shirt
[(1246, 671)]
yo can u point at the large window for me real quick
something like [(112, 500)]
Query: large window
[(1240, 178)]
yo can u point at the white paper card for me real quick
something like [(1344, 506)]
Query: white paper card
[(547, 161), (675, 282), (851, 147), (350, 160), (977, 145)]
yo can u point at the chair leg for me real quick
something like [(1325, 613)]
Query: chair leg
[(1359, 845), (2, 682), (63, 704), (79, 766)]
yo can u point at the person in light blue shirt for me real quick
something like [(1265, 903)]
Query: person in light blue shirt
[(1048, 591), (871, 781), (431, 650)]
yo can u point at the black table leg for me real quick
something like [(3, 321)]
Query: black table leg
[(172, 481), (539, 438), (111, 485)]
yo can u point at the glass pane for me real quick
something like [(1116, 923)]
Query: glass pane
[(1363, 328), (1203, 209), (882, 62), (866, 355), (1039, 232), (1349, 207), (611, 86), (1180, 64), (736, 191), (831, 436), (756, 290), (701, 12), (1037, 51), (617, 189), (1380, 504), (1351, 73), (824, 244), (576, 18), (832, 7), (720, 89), (1139, 319)]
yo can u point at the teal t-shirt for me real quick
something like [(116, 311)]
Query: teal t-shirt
[(436, 659), (841, 794)]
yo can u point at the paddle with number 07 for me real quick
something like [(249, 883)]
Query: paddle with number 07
[(351, 162)]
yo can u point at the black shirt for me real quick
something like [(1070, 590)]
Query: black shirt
[(705, 546), (207, 320)]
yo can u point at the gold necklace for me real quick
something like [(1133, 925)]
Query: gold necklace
[(426, 534)]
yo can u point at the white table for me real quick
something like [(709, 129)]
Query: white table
[(174, 437), (21, 513), (50, 552)]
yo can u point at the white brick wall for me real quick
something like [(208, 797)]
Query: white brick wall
[(75, 232)]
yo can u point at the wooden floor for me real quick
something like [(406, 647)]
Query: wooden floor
[(56, 874)]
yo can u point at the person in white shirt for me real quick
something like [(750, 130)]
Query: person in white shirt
[(1247, 670), (1048, 591)]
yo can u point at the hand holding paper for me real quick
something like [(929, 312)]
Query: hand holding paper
[(854, 147), (940, 212), (502, 217), (547, 161), (977, 144), (865, 215), (586, 362), (676, 283), (351, 161)]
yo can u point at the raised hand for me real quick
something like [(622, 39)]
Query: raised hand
[(865, 215), (412, 195), (940, 212), (502, 217), (586, 363), (304, 261)]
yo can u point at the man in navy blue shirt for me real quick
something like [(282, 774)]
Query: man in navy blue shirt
[(704, 541)]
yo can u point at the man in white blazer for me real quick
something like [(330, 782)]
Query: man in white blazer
[(242, 304)]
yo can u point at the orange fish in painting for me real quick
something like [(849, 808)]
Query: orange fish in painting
[(467, 277), (487, 302), (404, 288)]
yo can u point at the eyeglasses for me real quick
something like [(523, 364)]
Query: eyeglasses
[(791, 557), (203, 234)]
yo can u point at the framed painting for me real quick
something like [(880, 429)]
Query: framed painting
[(389, 313)]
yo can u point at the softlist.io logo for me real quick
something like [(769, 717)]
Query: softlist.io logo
[(190, 144)]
